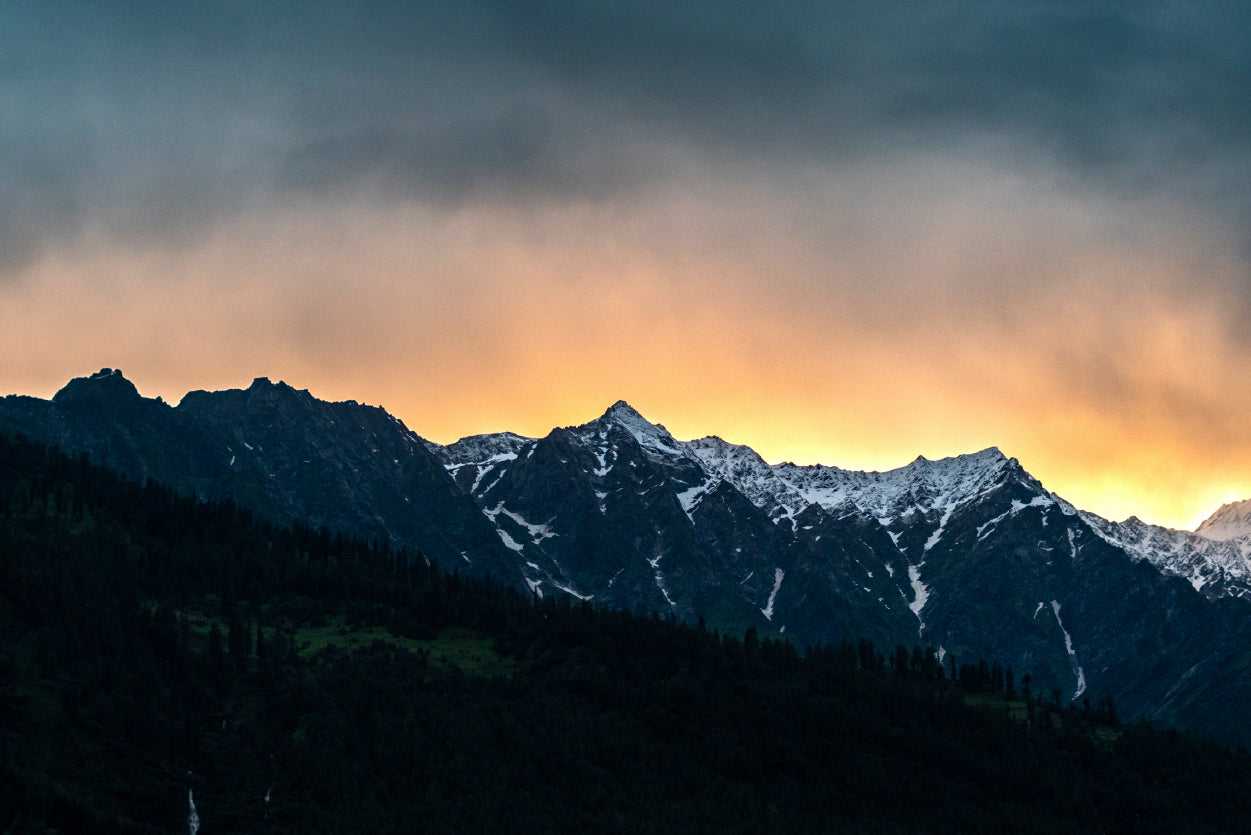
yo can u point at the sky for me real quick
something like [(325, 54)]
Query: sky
[(849, 233)]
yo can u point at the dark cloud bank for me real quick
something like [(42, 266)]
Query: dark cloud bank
[(154, 121)]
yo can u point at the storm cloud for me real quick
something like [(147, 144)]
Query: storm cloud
[(140, 118)]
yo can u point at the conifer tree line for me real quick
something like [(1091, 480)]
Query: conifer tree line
[(157, 649)]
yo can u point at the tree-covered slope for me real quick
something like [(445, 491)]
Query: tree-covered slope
[(159, 652)]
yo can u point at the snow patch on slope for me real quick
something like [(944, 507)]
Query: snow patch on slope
[(1068, 645), (481, 450), (570, 591), (742, 467), (654, 562), (538, 533), (920, 594), (922, 485), (692, 496), (767, 611), (1043, 501), (927, 487)]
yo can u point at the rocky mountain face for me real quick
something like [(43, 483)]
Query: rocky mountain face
[(278, 451), (1217, 566), (969, 555)]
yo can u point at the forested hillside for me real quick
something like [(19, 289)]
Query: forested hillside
[(164, 659)]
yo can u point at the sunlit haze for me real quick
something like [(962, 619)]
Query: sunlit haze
[(845, 237)]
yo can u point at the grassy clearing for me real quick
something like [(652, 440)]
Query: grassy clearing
[(454, 647), (1019, 711), (1016, 709)]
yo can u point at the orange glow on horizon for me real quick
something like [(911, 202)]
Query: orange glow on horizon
[(1120, 392), (1113, 488)]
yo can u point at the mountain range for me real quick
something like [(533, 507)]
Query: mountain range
[(970, 556)]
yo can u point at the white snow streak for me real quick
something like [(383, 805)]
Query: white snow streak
[(920, 594), (491, 486), (660, 584), (537, 532), (568, 590), (767, 611), (937, 534), (654, 562), (1068, 645), (509, 542), (1037, 501), (981, 528), (193, 817), (478, 478), (691, 497)]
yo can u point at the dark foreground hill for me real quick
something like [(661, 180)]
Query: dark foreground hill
[(169, 665)]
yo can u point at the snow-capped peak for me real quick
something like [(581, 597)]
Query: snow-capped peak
[(1230, 521), (482, 449), (651, 436), (743, 467), (923, 484)]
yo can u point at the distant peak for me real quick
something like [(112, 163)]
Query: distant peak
[(652, 436), (265, 386), (990, 455), (263, 383), (622, 409), (624, 414), (1230, 521), (105, 383)]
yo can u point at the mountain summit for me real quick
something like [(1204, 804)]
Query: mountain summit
[(1230, 521), (651, 436), (105, 384)]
